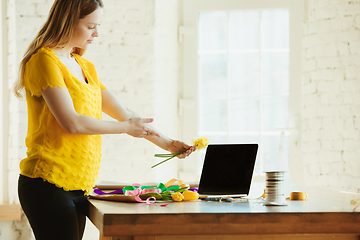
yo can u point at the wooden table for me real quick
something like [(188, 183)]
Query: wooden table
[(316, 218)]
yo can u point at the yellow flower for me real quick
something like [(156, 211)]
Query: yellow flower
[(200, 143), (353, 202), (177, 197), (190, 195)]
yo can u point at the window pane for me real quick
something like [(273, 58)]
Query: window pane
[(248, 103), (244, 29), (245, 138), (245, 74), (213, 92), (275, 112), (270, 149), (275, 28), (275, 73), (216, 138), (212, 30), (275, 90), (244, 92), (244, 115)]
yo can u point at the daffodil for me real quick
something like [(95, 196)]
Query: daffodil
[(199, 143)]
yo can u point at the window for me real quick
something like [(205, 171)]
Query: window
[(240, 69)]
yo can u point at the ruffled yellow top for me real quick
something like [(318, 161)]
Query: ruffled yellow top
[(70, 161)]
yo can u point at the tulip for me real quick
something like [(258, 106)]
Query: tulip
[(190, 195), (177, 197)]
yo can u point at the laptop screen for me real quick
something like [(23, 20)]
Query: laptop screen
[(228, 169)]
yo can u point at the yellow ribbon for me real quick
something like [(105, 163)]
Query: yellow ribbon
[(181, 184), (297, 196), (300, 196)]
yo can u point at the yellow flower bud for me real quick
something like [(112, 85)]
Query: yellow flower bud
[(200, 143), (177, 197), (190, 195)]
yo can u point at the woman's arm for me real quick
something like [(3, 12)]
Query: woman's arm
[(113, 108), (61, 106)]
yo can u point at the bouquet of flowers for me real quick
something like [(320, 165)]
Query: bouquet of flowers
[(199, 143)]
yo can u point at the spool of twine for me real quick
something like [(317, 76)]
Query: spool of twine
[(275, 191)]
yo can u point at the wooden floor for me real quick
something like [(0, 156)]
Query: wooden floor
[(10, 212)]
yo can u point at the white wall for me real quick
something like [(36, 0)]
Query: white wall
[(136, 57), (331, 94), (166, 83), (124, 56)]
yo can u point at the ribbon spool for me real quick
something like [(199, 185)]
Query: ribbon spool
[(274, 192), (300, 196)]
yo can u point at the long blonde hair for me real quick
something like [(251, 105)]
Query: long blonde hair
[(57, 31)]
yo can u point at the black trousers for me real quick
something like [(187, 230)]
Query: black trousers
[(53, 213)]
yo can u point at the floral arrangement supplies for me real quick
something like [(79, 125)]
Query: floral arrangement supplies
[(164, 193)]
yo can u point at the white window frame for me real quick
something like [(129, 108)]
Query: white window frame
[(188, 102), (2, 127)]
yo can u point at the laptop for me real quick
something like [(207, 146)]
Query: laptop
[(227, 170)]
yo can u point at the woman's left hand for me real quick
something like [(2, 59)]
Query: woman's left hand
[(179, 146)]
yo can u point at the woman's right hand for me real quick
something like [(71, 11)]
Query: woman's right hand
[(137, 127)]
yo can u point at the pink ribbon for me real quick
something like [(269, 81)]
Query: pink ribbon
[(139, 191)]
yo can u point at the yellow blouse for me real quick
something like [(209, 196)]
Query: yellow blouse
[(70, 161)]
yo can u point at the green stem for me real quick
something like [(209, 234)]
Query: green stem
[(164, 155), (172, 156)]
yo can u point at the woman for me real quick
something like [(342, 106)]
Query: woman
[(65, 102)]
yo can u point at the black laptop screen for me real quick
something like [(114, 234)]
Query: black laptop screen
[(228, 169)]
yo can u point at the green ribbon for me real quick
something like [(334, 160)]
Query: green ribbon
[(160, 186), (163, 188)]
